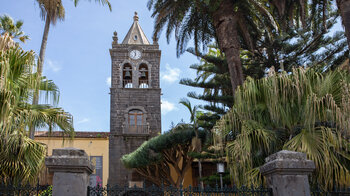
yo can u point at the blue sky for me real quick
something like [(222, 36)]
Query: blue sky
[(77, 57)]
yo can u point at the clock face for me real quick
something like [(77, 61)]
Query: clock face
[(135, 54)]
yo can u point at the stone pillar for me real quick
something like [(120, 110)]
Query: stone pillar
[(71, 168), (286, 172)]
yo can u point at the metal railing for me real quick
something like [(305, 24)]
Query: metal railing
[(177, 191), (127, 84), (317, 191), (143, 84), (136, 129), (28, 190)]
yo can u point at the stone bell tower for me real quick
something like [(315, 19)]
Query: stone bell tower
[(135, 99)]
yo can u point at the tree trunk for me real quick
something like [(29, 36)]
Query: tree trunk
[(43, 45), (40, 67), (200, 173), (344, 9), (225, 21)]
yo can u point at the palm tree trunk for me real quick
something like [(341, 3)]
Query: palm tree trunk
[(43, 45), (225, 21), (40, 67), (344, 9)]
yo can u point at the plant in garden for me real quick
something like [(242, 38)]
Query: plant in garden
[(295, 11), (155, 157), (232, 23), (307, 39), (51, 11), (14, 29), (196, 141), (304, 111), (47, 192), (22, 158), (214, 80)]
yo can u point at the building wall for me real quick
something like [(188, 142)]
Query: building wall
[(122, 99), (99, 147), (92, 146)]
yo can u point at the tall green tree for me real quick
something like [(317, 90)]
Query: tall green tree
[(231, 23), (304, 111), (14, 29), (51, 11), (289, 10), (22, 157), (293, 48), (213, 78), (155, 157), (310, 46)]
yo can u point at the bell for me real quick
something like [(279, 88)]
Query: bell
[(127, 74), (143, 74)]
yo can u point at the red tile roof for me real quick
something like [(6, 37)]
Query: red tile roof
[(78, 134)]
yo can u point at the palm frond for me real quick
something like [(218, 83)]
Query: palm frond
[(304, 111)]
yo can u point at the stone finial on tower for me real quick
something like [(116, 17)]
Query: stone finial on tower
[(136, 17), (115, 38), (135, 34)]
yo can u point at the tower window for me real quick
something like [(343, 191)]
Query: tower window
[(143, 79), (136, 122), (127, 76), (135, 37), (135, 117)]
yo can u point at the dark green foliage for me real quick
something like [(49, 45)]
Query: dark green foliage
[(214, 180), (187, 18), (305, 111), (150, 152), (155, 158), (312, 45), (13, 28), (214, 79)]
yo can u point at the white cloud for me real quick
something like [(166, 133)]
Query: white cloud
[(52, 65), (84, 120), (171, 74), (167, 107), (109, 81)]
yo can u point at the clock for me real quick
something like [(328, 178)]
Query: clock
[(135, 54)]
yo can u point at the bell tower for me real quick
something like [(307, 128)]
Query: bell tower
[(135, 99)]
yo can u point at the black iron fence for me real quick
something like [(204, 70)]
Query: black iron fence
[(174, 191), (335, 192), (24, 190)]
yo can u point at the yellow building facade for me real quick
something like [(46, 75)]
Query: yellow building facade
[(95, 145)]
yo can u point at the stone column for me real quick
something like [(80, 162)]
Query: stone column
[(286, 172), (71, 168)]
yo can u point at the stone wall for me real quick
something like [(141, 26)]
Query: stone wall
[(124, 99)]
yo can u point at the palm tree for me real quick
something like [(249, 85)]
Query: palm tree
[(51, 11), (196, 141), (304, 111), (21, 157), (14, 29), (203, 20)]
